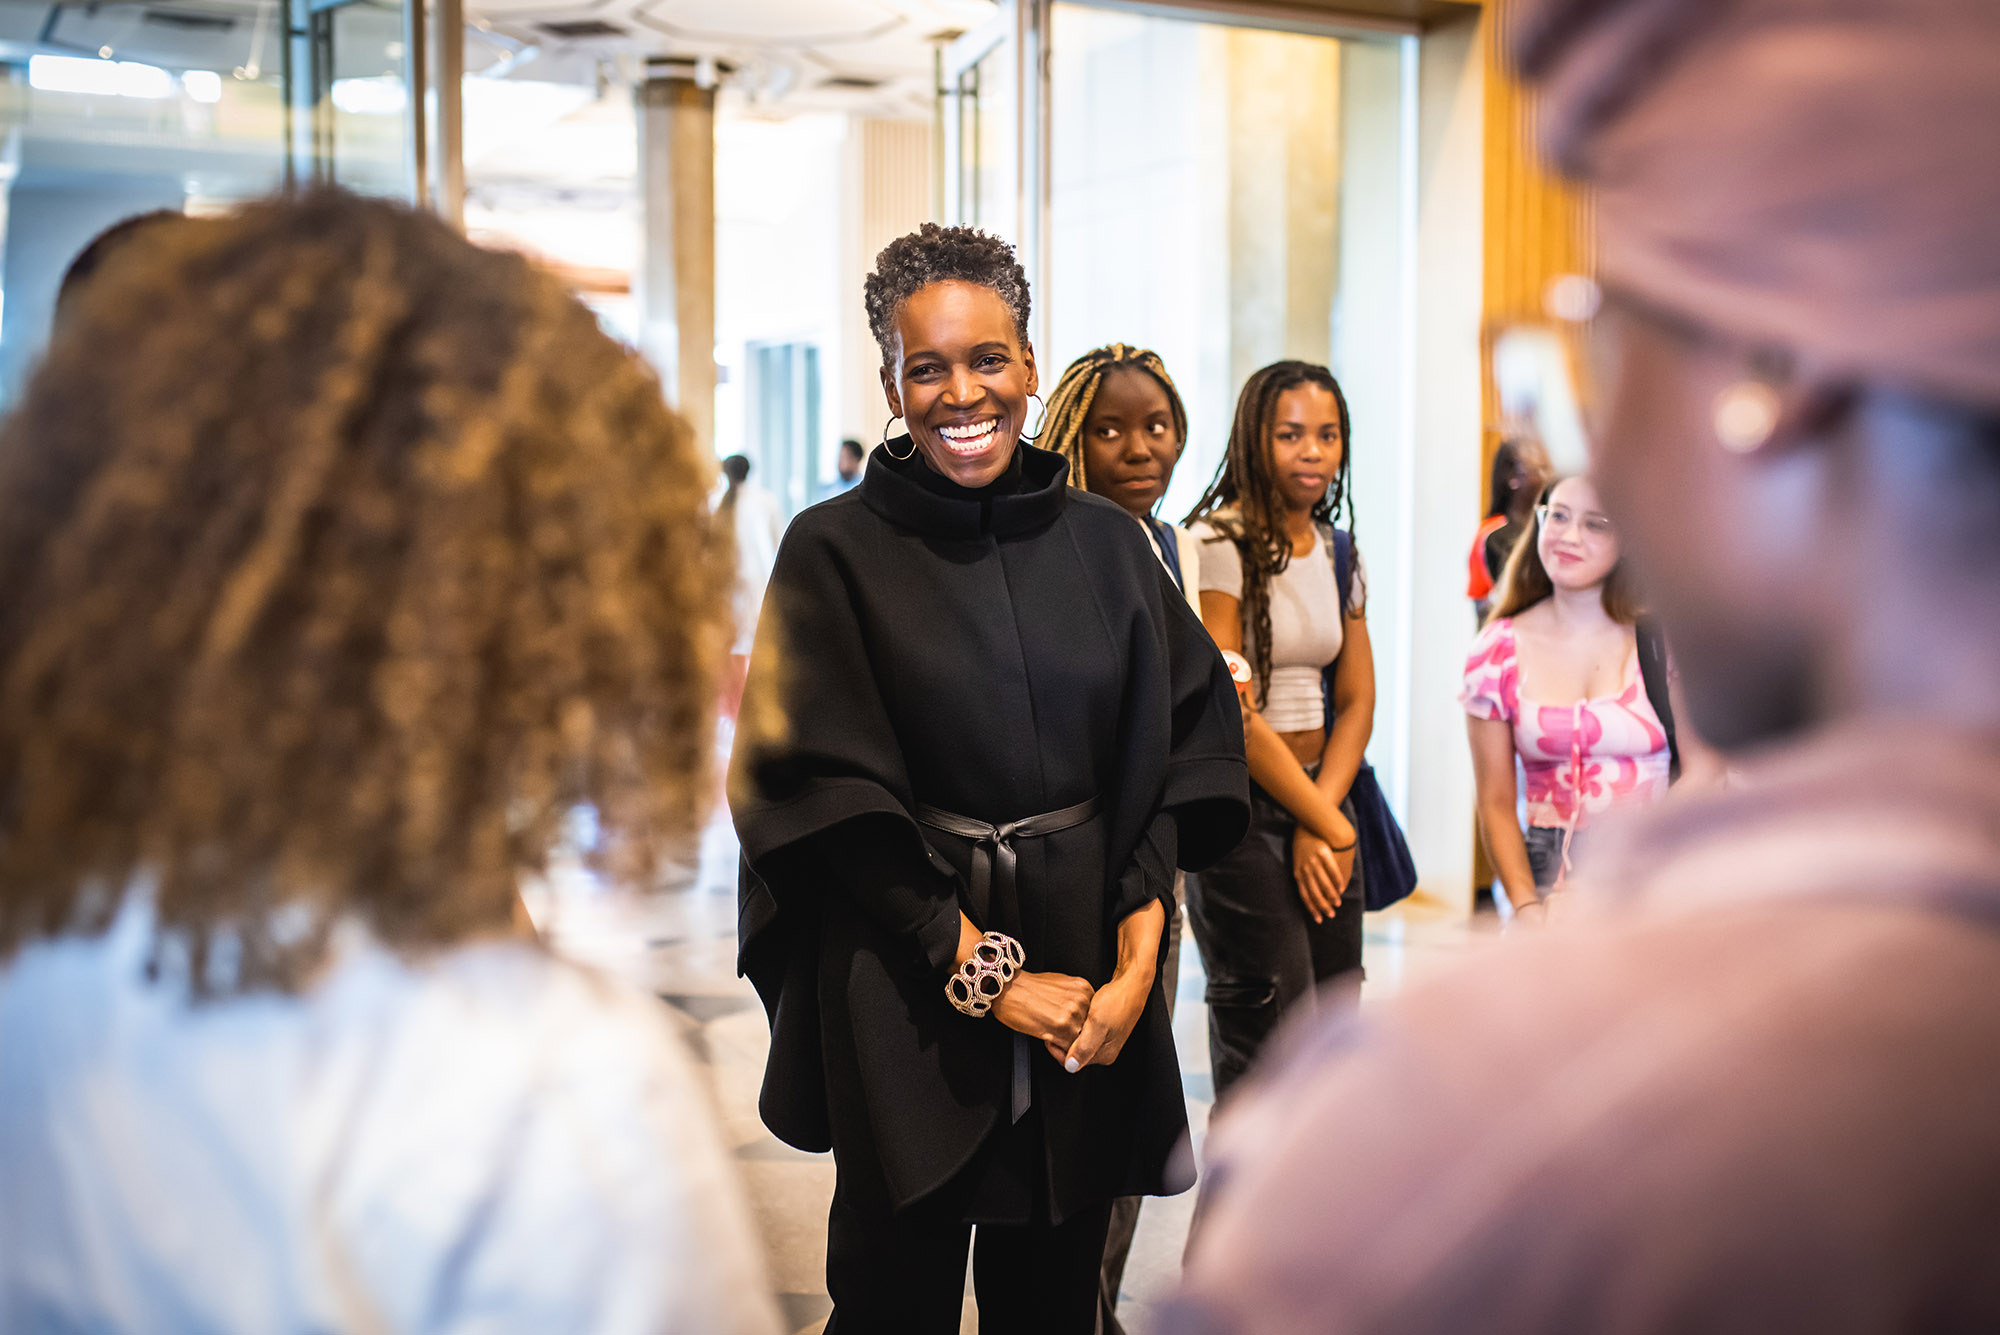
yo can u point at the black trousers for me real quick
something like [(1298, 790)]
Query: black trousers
[(1263, 952), (906, 1275)]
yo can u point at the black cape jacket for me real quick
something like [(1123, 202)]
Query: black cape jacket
[(998, 653)]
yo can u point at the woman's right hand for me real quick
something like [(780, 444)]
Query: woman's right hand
[(1319, 873), (1048, 1006)]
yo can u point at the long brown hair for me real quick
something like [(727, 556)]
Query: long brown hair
[(1525, 580), (344, 562), (1246, 504)]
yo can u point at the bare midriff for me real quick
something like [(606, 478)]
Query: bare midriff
[(1305, 746)]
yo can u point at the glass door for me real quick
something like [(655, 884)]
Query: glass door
[(785, 426), (354, 94)]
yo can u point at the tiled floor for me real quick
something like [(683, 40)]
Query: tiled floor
[(681, 945)]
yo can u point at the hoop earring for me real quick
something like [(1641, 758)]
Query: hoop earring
[(1041, 418), (885, 443)]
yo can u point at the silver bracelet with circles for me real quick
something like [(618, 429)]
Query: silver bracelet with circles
[(985, 974)]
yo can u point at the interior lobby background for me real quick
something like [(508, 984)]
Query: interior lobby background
[(1227, 183)]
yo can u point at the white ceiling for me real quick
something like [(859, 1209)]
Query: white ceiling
[(777, 56), (772, 57)]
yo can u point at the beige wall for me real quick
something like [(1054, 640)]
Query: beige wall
[(1373, 352), (1282, 100), (1407, 350), (1444, 495), (888, 184)]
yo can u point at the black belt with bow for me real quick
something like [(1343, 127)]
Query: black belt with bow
[(993, 865)]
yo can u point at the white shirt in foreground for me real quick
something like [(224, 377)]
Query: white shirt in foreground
[(490, 1139)]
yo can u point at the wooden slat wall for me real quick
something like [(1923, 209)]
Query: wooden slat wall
[(1536, 226)]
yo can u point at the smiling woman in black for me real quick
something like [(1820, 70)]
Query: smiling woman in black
[(977, 706)]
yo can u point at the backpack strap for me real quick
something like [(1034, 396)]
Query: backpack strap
[(1653, 671), (1340, 547)]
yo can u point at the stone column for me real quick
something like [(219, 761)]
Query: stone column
[(445, 106), (676, 279)]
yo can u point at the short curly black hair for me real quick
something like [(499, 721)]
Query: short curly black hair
[(934, 254)]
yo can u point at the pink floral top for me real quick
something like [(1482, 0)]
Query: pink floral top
[(1578, 759)]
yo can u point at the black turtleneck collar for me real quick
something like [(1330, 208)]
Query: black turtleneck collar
[(909, 492)]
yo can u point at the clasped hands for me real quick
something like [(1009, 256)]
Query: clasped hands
[(1322, 867), (1078, 1024)]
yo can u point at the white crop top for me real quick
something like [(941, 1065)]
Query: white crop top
[(1307, 628)]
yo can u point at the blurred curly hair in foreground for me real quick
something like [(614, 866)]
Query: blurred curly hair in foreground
[(344, 561)]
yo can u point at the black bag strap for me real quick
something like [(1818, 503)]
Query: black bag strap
[(1653, 671)]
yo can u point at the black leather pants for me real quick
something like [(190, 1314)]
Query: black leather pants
[(1263, 952)]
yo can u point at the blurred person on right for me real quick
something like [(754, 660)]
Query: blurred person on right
[(1748, 1083)]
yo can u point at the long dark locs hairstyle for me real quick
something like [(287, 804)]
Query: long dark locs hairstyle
[(1246, 504), (1069, 402)]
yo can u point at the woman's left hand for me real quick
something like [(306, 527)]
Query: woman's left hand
[(1114, 1014)]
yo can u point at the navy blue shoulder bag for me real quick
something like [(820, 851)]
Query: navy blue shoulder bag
[(1388, 873)]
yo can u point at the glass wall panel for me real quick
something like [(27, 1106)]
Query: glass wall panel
[(369, 101), (991, 189), (982, 128), (107, 110)]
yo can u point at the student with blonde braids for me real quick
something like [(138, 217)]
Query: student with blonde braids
[(1117, 418), (1282, 587), (345, 563)]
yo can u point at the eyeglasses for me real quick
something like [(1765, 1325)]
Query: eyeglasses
[(1554, 517)]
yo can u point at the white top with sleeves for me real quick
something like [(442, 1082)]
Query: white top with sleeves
[(488, 1138), (1307, 628)]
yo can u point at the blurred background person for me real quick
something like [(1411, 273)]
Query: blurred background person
[(1281, 585), (1002, 731), (1118, 421), (757, 520), (1520, 472), (847, 466), (346, 562), (1554, 679), (1748, 1084)]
